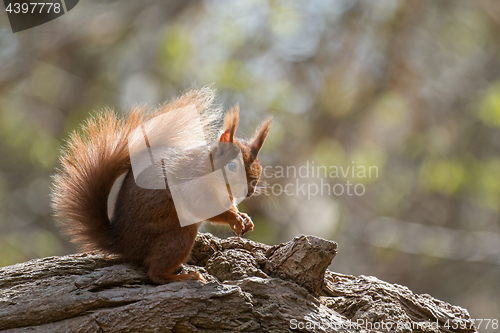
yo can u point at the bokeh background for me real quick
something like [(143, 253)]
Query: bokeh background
[(411, 87)]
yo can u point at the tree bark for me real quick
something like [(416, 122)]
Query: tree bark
[(251, 287)]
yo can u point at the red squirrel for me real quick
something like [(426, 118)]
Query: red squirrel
[(144, 228)]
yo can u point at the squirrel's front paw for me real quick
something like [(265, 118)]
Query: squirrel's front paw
[(245, 222)]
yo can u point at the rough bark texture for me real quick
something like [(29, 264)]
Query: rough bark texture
[(251, 287)]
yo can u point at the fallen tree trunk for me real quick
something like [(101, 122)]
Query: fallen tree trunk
[(251, 287)]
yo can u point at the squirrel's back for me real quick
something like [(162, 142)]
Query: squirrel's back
[(94, 158)]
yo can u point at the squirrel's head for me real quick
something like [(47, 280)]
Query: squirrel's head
[(249, 148)]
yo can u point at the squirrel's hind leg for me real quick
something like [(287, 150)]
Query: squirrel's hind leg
[(169, 253), (162, 277)]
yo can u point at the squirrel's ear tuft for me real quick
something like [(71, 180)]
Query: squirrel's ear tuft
[(231, 121), (260, 136), (225, 137)]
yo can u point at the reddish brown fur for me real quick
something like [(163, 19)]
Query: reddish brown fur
[(231, 121), (144, 228)]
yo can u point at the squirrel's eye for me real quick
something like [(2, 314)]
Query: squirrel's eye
[(232, 167)]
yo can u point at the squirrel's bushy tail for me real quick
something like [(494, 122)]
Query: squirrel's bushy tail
[(90, 164), (94, 159)]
